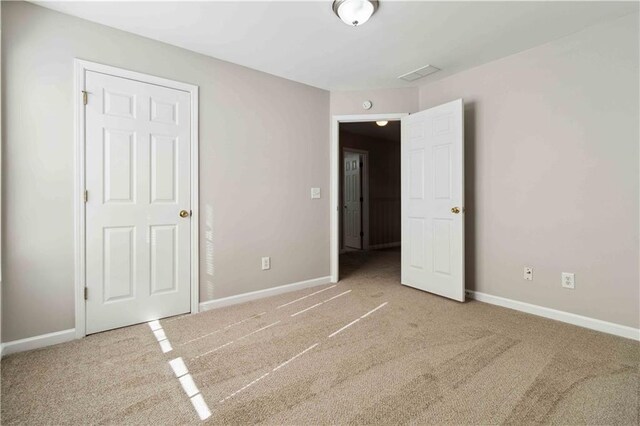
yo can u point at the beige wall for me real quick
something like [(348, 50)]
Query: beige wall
[(385, 101), (552, 171), (263, 145), (552, 167)]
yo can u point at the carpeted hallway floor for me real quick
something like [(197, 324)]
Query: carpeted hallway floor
[(365, 351)]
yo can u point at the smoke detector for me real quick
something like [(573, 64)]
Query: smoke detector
[(419, 73)]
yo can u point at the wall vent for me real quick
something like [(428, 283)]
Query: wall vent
[(419, 73)]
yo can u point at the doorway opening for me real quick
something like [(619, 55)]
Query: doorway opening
[(369, 194), (431, 198)]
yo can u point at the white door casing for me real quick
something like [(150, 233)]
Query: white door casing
[(138, 248), (352, 215), (335, 202), (432, 192)]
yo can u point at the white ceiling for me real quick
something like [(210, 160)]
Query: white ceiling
[(304, 41)]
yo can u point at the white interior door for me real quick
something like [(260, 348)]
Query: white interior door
[(433, 200), (352, 216), (137, 178)]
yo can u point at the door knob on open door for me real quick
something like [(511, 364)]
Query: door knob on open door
[(184, 213), (455, 210)]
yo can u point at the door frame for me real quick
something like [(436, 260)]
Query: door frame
[(80, 69), (334, 204), (364, 225)]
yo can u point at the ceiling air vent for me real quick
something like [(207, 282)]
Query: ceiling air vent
[(419, 73)]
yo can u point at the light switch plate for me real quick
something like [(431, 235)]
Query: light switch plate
[(315, 192)]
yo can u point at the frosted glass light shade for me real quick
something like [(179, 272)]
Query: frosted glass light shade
[(354, 12)]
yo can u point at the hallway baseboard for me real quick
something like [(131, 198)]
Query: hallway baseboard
[(385, 245)]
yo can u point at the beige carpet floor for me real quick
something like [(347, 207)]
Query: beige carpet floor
[(416, 359)]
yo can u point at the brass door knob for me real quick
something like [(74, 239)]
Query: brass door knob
[(184, 213), (455, 210)]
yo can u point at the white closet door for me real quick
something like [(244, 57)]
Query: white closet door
[(137, 178)]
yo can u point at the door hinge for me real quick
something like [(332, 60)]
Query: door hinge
[(86, 196), (85, 97), (86, 293)]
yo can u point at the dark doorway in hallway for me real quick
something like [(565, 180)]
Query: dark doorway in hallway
[(369, 195)]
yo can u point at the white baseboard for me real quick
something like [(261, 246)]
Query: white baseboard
[(579, 320), (246, 297), (37, 342), (49, 339), (385, 245)]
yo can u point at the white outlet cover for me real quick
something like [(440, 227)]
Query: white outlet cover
[(315, 193), (266, 263), (568, 280), (528, 273)]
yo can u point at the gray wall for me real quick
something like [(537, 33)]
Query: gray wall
[(552, 167), (263, 145), (385, 101), (552, 171)]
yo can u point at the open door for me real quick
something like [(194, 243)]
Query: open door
[(433, 200)]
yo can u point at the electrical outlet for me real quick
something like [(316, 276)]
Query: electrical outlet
[(266, 263), (528, 273), (568, 280)]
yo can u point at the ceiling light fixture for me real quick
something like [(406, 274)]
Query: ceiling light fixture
[(355, 12), (382, 123)]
